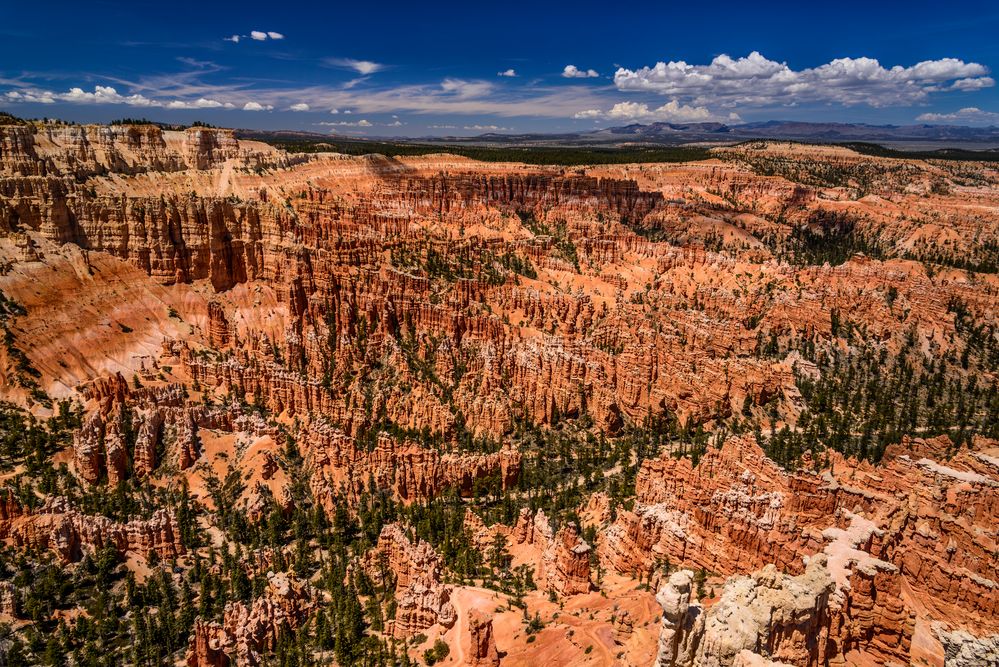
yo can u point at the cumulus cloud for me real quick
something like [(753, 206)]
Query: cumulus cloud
[(573, 72), (971, 115), (672, 111), (490, 128), (256, 35), (200, 103), (109, 95), (301, 106), (507, 72), (344, 123), (968, 85), (758, 81), (363, 67), (257, 106)]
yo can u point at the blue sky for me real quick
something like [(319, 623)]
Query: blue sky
[(419, 69)]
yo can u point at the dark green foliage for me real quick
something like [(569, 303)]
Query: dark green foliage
[(436, 653), (560, 155), (10, 119)]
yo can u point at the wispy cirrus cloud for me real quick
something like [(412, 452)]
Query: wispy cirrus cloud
[(363, 67)]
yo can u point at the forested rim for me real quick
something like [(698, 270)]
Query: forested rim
[(543, 155)]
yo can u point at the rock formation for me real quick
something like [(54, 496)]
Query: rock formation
[(737, 509), (411, 471), (69, 533), (247, 631), (682, 622), (8, 600), (482, 643), (423, 600), (407, 323), (567, 562)]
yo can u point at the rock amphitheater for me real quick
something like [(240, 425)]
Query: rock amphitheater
[(428, 410)]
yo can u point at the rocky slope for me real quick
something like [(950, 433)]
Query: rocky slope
[(492, 404)]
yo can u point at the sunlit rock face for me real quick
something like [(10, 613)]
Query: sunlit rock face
[(323, 336)]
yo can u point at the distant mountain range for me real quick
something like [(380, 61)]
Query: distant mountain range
[(906, 137), (678, 133)]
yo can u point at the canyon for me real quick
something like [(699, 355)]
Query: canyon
[(429, 410)]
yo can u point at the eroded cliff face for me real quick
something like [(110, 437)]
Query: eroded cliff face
[(272, 330), (67, 532), (887, 538), (423, 599), (247, 632)]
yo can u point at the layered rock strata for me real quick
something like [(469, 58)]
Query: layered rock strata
[(248, 632)]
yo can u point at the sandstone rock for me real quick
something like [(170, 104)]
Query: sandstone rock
[(423, 600), (737, 509), (67, 532), (87, 446), (147, 441), (219, 330), (8, 600), (483, 644), (247, 632), (682, 622), (412, 472), (567, 563), (963, 649), (747, 658)]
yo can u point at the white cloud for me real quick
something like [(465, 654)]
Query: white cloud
[(334, 111), (257, 106), (573, 72), (507, 72), (365, 67), (968, 85), (462, 98), (344, 123), (442, 127), (672, 111), (758, 81), (466, 89), (200, 103), (30, 96), (301, 106), (256, 35), (491, 128), (109, 95), (972, 115)]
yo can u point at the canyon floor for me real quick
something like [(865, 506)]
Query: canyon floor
[(264, 408)]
